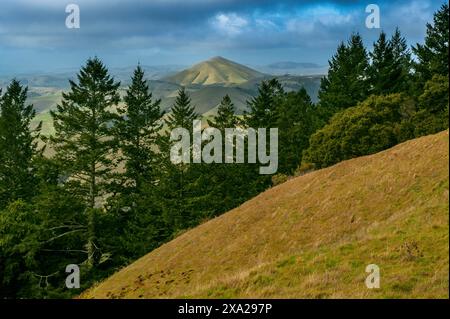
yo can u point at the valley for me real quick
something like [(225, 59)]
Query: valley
[(207, 83)]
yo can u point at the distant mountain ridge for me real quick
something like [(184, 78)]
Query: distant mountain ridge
[(207, 83), (293, 65)]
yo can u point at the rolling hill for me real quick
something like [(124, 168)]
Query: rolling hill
[(217, 70), (207, 83), (313, 236)]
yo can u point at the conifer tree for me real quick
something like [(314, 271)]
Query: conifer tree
[(382, 65), (263, 112), (177, 186), (389, 70), (18, 145), (230, 183), (346, 82), (432, 56), (138, 130), (225, 117), (262, 109), (182, 112), (83, 141), (402, 62), (296, 122)]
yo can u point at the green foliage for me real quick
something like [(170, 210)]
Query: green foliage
[(296, 121), (37, 241), (432, 56), (138, 130), (225, 117), (133, 214), (227, 185), (389, 70), (262, 109), (345, 85), (182, 113), (18, 145), (370, 127), (83, 140), (432, 114), (178, 183)]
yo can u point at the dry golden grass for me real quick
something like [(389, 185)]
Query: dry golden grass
[(313, 236)]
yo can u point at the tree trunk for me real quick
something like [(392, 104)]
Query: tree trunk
[(90, 217)]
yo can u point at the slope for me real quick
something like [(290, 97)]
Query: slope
[(217, 70), (313, 236)]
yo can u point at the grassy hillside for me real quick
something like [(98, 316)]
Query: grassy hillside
[(313, 236), (214, 71)]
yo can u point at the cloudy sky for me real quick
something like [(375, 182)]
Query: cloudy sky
[(34, 36)]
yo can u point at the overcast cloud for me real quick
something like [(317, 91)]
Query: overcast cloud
[(33, 35)]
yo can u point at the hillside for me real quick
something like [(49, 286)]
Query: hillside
[(217, 70), (313, 236)]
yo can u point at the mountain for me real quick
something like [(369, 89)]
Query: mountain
[(286, 65), (207, 82), (313, 236), (293, 68), (217, 70)]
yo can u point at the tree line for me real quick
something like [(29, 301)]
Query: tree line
[(109, 193)]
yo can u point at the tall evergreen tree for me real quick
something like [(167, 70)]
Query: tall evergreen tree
[(389, 71), (296, 122), (177, 185), (382, 66), (262, 109), (432, 56), (402, 63), (230, 184), (263, 112), (18, 145), (346, 82), (182, 112), (225, 117), (138, 130), (84, 142)]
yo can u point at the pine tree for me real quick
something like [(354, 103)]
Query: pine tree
[(432, 56), (138, 130), (18, 145), (389, 70), (382, 66), (346, 82), (225, 117), (296, 122), (182, 112), (84, 142), (177, 187), (402, 62), (262, 111)]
